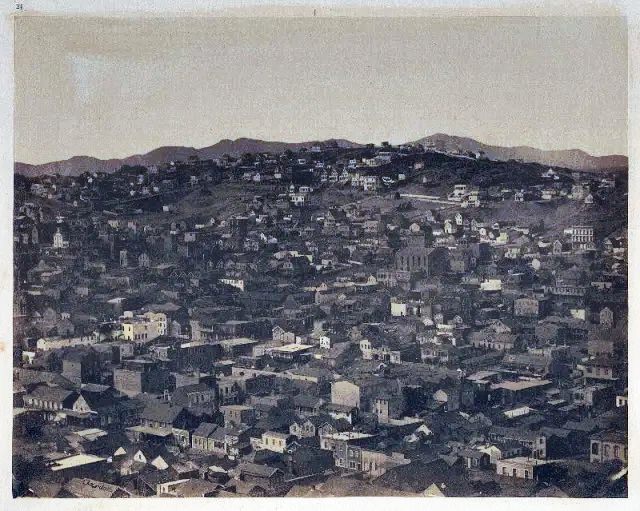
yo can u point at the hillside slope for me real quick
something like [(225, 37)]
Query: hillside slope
[(575, 159)]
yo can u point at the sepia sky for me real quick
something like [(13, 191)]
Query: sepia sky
[(113, 87)]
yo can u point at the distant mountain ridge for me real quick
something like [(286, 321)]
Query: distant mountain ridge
[(575, 159), (79, 164), (572, 158)]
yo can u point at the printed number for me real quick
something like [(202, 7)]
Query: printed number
[(19, 7)]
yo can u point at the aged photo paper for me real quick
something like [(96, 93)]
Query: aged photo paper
[(290, 254)]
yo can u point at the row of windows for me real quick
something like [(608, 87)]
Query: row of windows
[(354, 465), (200, 398), (413, 261), (606, 451), (49, 405)]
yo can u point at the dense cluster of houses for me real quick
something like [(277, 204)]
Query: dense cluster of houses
[(336, 327)]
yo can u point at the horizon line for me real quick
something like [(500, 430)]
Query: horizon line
[(314, 140)]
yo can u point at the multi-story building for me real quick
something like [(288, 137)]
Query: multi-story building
[(522, 468), (144, 327), (276, 441), (432, 261), (582, 237), (608, 446), (141, 376), (534, 441), (235, 415)]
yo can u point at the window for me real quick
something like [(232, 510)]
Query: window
[(595, 448), (607, 450), (616, 451), (514, 472), (504, 471), (526, 474)]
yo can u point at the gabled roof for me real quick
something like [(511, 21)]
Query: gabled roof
[(55, 394), (205, 429), (161, 412), (217, 434), (419, 475), (97, 400), (108, 444)]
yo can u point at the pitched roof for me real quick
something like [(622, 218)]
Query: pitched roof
[(205, 429), (419, 475), (56, 394), (161, 412)]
